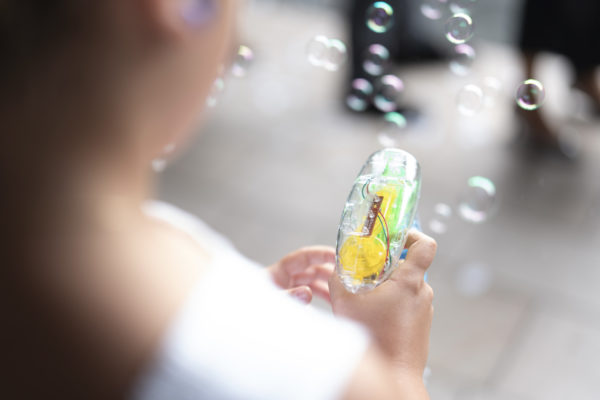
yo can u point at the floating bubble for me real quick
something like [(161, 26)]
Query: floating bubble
[(389, 90), (426, 375), (433, 9), (217, 88), (394, 128), (457, 6), (360, 95), (492, 88), (469, 100), (327, 53), (478, 200), (336, 55), (530, 95), (316, 50), (242, 61), (380, 17), (459, 28), (159, 164), (375, 59), (443, 210), (439, 222), (462, 60), (473, 279), (168, 149)]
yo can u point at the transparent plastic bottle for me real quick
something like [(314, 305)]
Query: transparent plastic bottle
[(380, 209)]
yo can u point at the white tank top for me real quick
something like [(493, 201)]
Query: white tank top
[(240, 337)]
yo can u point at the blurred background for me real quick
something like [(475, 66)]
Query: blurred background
[(517, 276)]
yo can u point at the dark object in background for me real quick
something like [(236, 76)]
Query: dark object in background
[(570, 28), (403, 44), (401, 41), (567, 27)]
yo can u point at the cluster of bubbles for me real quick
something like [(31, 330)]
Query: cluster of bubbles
[(459, 30), (530, 95), (476, 204), (380, 17), (218, 87), (326, 53), (384, 95), (241, 62)]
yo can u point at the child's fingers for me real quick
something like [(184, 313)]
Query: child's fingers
[(315, 272), (301, 259), (421, 250), (321, 288), (420, 253), (336, 287), (301, 293)]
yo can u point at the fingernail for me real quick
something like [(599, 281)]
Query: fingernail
[(302, 296)]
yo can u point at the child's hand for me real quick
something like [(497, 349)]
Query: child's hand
[(305, 271), (399, 311)]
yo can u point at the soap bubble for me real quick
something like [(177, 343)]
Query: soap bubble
[(159, 164), (457, 6), (375, 59), (327, 53), (242, 61), (393, 129), (426, 375), (473, 279), (433, 9), (462, 60), (469, 100), (492, 88), (459, 28), (217, 88), (360, 95), (170, 148), (530, 95), (317, 49), (389, 90), (336, 55), (443, 210), (439, 222), (380, 17), (478, 200)]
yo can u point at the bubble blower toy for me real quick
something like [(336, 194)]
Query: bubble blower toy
[(378, 214)]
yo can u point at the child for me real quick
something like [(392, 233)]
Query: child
[(108, 296)]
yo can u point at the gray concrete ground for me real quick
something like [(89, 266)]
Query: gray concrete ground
[(517, 304)]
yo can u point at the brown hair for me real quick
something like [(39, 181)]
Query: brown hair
[(33, 30)]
